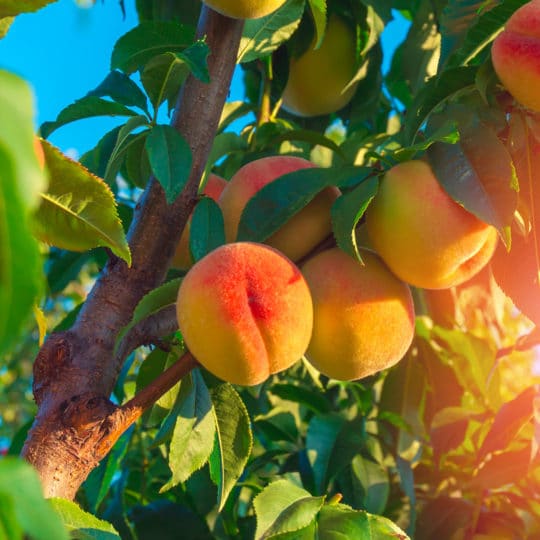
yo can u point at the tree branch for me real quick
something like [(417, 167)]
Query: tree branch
[(77, 370), (123, 417)]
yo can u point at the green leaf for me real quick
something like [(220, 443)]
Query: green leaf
[(263, 36), (5, 25), (82, 525), (371, 483), (151, 303), (124, 141), (207, 231), (194, 432), (477, 172), (18, 139), (449, 429), (98, 484), (196, 57), (78, 211), (442, 517), (318, 11), (311, 137), (10, 529), (510, 419), (503, 469), (19, 481), (279, 200), (283, 507), (134, 49), (331, 443), (120, 88), (170, 159), (16, 7), (223, 145), (347, 211), (307, 396), (338, 521), (20, 183), (86, 107), (162, 77), (233, 440), (436, 90)]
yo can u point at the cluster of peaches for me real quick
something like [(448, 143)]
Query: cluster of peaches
[(246, 310)]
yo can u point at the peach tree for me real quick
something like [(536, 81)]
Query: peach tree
[(320, 324)]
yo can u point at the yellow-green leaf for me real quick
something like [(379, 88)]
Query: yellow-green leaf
[(78, 211)]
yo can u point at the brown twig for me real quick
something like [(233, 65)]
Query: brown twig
[(126, 415)]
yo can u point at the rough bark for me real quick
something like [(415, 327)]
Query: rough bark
[(76, 370)]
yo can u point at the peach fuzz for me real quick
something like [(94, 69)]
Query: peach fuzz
[(363, 316), (516, 55), (182, 256), (245, 312), (426, 238), (319, 79), (303, 231), (244, 9)]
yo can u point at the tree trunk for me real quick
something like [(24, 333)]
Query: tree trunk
[(75, 371)]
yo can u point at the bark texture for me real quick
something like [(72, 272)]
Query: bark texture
[(75, 371)]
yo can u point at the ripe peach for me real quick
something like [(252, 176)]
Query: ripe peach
[(244, 9), (363, 316), (182, 256), (303, 231), (318, 79), (245, 312), (423, 235), (516, 55)]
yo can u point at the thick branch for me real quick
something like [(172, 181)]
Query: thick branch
[(76, 371)]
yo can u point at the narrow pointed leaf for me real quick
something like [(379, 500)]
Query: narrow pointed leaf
[(147, 40), (86, 107), (511, 418), (318, 11), (434, 92), (78, 212), (233, 440), (193, 436), (279, 200), (348, 210), (207, 231), (337, 522), (5, 25), (83, 525), (170, 159), (120, 88), (263, 36), (153, 302), (283, 507)]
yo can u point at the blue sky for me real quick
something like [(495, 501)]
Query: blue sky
[(64, 50)]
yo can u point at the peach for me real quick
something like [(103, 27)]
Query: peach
[(244, 9), (426, 238), (319, 79), (182, 256), (515, 54), (363, 316), (245, 312), (303, 231)]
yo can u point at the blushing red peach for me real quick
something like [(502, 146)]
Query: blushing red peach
[(516, 55), (245, 312), (363, 316), (303, 231), (426, 238), (182, 258)]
